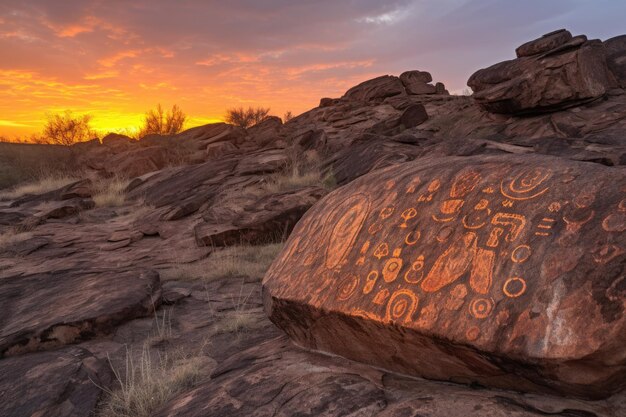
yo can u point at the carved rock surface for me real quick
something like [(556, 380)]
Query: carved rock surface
[(572, 73), (506, 271)]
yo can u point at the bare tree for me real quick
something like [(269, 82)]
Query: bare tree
[(288, 116), (159, 122), (245, 118), (67, 129)]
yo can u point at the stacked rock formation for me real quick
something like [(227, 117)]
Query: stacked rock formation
[(553, 72), (409, 83)]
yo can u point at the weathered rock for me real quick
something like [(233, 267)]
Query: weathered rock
[(268, 219), (546, 82), (616, 58), (117, 142), (414, 115), (327, 102), (137, 161), (505, 271), (46, 310), (546, 43), (267, 131), (218, 149), (416, 82), (78, 189), (65, 208), (376, 89), (61, 383)]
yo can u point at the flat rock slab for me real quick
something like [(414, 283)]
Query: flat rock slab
[(45, 310), (506, 271), (60, 383)]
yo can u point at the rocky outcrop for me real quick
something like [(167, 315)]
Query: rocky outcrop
[(553, 72), (378, 89), (418, 82), (66, 382), (268, 219), (502, 271), (52, 309), (616, 58)]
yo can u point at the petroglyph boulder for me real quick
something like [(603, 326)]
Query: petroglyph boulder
[(506, 271)]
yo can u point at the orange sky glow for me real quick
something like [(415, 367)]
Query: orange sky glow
[(117, 59)]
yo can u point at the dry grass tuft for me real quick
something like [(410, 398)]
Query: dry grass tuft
[(40, 186), (149, 381), (302, 171), (234, 261), (110, 192), (11, 237)]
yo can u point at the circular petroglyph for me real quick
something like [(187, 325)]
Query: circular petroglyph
[(347, 287), (514, 287), (481, 307), (526, 185), (472, 333), (348, 218), (416, 273), (401, 306), (520, 254)]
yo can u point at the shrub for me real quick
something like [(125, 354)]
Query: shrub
[(159, 122), (246, 117), (67, 129)]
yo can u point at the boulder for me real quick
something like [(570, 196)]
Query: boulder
[(416, 82), (268, 219), (569, 75), (546, 43), (266, 131), (62, 383), (137, 162), (376, 89), (616, 58), (61, 307), (117, 142), (506, 271)]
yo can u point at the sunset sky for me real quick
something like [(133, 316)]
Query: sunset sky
[(116, 59)]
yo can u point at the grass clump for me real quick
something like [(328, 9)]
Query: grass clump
[(303, 170), (233, 261), (110, 192), (39, 186), (148, 381), (245, 260)]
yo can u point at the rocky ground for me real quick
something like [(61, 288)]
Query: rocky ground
[(136, 288)]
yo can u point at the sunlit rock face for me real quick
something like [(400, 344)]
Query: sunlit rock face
[(505, 271)]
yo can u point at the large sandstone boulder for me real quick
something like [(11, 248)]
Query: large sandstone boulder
[(552, 73), (506, 271)]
